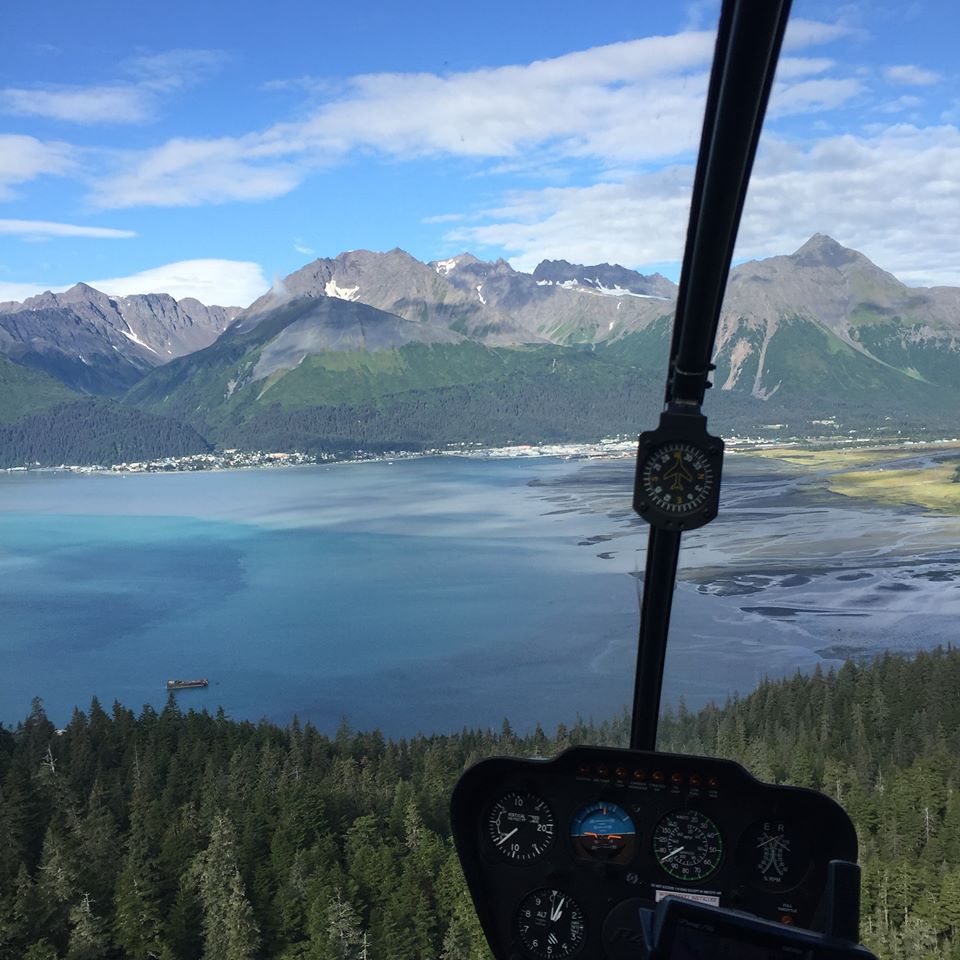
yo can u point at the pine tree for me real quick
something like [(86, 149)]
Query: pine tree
[(137, 924), (88, 934), (229, 929)]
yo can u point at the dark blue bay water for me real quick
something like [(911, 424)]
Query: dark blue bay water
[(435, 593)]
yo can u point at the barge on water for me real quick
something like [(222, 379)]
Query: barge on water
[(187, 684)]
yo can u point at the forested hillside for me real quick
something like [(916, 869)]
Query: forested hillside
[(187, 835)]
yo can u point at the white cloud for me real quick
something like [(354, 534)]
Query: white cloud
[(905, 102), (26, 158), (228, 283), (911, 75), (20, 291), (193, 172), (804, 33), (812, 96), (443, 218), (173, 69), (301, 247), (115, 103), (894, 195), (639, 101), (43, 229)]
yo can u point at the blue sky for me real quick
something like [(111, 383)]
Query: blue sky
[(204, 150)]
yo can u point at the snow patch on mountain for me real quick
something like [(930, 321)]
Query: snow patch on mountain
[(130, 335), (443, 267), (331, 289)]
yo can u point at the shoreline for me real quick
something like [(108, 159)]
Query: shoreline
[(801, 453)]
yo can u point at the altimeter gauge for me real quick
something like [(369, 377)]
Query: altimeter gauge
[(550, 925), (520, 826), (687, 845), (677, 484)]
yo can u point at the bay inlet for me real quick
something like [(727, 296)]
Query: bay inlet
[(437, 593)]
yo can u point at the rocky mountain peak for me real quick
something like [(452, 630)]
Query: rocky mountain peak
[(444, 267), (823, 251)]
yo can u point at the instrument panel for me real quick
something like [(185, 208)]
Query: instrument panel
[(560, 854)]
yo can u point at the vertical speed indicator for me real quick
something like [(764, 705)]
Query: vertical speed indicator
[(520, 826)]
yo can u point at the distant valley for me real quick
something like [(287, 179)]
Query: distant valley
[(378, 351)]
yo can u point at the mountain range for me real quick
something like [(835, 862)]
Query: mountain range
[(380, 351)]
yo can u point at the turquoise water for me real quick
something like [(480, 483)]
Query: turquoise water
[(431, 594), (423, 594)]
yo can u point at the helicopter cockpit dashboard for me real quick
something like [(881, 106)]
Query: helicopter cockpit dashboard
[(564, 855)]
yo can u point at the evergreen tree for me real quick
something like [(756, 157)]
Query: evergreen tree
[(229, 930)]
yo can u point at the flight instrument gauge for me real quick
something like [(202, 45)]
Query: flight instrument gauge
[(677, 484), (774, 855), (521, 826), (604, 831), (550, 925), (687, 845)]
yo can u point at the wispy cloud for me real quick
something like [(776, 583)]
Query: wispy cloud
[(912, 76), (622, 104), (122, 102), (25, 158), (193, 172), (443, 218), (45, 229), (301, 247), (79, 104)]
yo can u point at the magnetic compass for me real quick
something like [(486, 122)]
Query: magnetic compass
[(678, 473)]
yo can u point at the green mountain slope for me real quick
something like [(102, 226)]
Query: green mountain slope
[(24, 391), (94, 431)]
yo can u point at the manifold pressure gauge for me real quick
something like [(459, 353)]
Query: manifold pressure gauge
[(677, 484)]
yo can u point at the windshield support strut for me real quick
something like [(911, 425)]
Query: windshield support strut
[(749, 38)]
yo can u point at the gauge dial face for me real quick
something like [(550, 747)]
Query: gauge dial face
[(521, 826), (687, 845), (774, 855), (677, 478), (550, 924), (604, 831)]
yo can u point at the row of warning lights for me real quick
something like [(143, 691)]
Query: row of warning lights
[(602, 772)]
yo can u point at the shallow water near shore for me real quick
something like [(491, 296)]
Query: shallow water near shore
[(435, 593)]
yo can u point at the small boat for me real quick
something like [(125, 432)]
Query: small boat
[(187, 684)]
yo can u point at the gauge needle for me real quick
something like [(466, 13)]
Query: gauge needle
[(672, 853), (558, 909), (770, 840), (507, 836)]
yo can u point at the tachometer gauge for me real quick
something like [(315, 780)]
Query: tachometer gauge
[(774, 855), (604, 831), (521, 826), (550, 925), (687, 845)]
